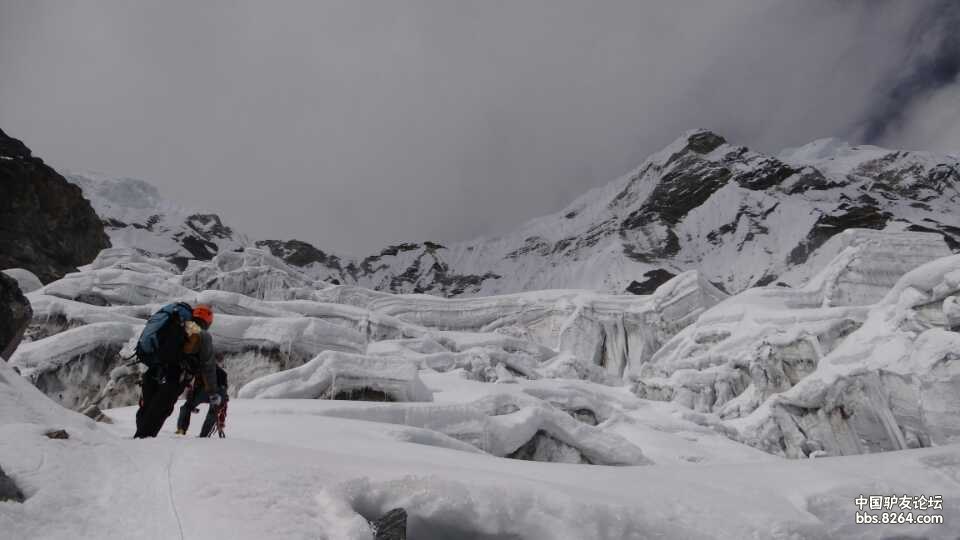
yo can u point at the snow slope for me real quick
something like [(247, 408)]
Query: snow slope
[(296, 469)]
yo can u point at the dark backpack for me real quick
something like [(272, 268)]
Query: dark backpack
[(163, 335)]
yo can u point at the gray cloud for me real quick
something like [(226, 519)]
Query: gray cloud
[(921, 108), (357, 124)]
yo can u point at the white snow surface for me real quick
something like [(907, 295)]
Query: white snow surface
[(331, 373), (300, 469), (27, 280)]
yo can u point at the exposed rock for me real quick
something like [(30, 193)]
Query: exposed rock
[(46, 226), (391, 526), (544, 447), (9, 490), (362, 394), (299, 253), (739, 217), (654, 279), (57, 434), (95, 413), (584, 415), (15, 315)]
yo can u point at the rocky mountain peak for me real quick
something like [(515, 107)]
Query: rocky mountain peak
[(703, 141), (46, 225), (11, 148), (740, 217)]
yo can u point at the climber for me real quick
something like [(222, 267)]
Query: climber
[(198, 393), (174, 344), (207, 382)]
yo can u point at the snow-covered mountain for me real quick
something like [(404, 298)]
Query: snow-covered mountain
[(135, 216), (738, 217)]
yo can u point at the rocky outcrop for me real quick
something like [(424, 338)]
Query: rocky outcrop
[(8, 490), (46, 226), (15, 315), (391, 526), (300, 253), (401, 268)]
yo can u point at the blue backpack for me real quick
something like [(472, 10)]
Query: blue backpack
[(163, 336)]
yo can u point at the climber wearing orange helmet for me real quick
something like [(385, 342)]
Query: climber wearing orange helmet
[(206, 382), (176, 347)]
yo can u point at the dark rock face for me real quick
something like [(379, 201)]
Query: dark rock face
[(8, 490), (391, 526), (201, 249), (547, 448), (865, 216), (654, 279), (704, 142), (15, 315), (46, 226), (363, 394), (425, 273), (299, 253), (207, 225)]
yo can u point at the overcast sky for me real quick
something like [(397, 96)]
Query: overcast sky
[(357, 124)]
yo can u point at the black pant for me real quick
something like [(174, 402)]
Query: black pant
[(194, 399), (160, 389)]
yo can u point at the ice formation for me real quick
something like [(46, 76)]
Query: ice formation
[(610, 331), (271, 318), (515, 425), (252, 272), (333, 375), (832, 367)]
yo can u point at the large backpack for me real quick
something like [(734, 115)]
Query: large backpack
[(163, 336)]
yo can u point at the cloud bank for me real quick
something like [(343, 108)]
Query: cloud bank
[(352, 124)]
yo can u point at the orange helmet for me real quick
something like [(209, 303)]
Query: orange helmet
[(203, 313)]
